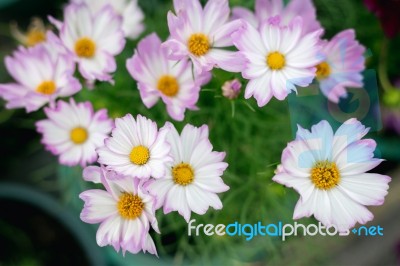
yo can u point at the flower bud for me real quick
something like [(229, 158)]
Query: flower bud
[(231, 89)]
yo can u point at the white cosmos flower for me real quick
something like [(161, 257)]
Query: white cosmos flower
[(203, 34), (328, 170), (74, 131), (193, 178), (42, 74), (132, 15), (172, 81), (136, 148), (93, 39), (124, 210), (278, 58)]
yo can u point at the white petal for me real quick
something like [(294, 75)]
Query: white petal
[(177, 201), (109, 232), (133, 235), (174, 140), (149, 246), (302, 185), (99, 205), (346, 212), (212, 184), (366, 189), (191, 136), (159, 188), (92, 174)]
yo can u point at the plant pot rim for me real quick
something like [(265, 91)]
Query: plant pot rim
[(42, 201)]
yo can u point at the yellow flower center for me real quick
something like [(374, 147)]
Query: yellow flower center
[(323, 70), (325, 175), (79, 135), (34, 37), (46, 87), (85, 47), (183, 174), (130, 206), (139, 155), (198, 44), (168, 85), (276, 60)]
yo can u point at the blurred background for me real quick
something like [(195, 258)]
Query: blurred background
[(39, 204)]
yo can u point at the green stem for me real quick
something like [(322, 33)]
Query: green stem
[(248, 105), (233, 108)]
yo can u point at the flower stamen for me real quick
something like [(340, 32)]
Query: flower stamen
[(183, 174), (139, 155), (276, 60), (34, 37), (46, 87), (168, 85), (85, 47), (325, 175), (323, 71), (79, 135), (130, 206), (198, 44)]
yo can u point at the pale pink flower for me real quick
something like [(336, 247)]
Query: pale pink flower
[(125, 211), (342, 66), (132, 15), (193, 178), (136, 148), (172, 81), (278, 58), (330, 171), (202, 34), (42, 74), (268, 9), (93, 39), (73, 131)]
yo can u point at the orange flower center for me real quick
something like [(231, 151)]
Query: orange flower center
[(325, 175), (276, 60), (85, 47), (168, 85), (46, 87), (130, 206), (198, 44), (183, 174)]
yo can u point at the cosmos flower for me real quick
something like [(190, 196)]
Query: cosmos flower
[(41, 73), (328, 170), (342, 65), (73, 131), (93, 39), (231, 88), (201, 34), (278, 58), (193, 179), (36, 33), (137, 148), (267, 9), (171, 80), (132, 15), (124, 210)]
